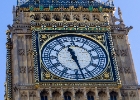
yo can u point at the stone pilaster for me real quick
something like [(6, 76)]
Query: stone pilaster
[(38, 94), (25, 75), (50, 93), (62, 97), (73, 93), (96, 94), (119, 95), (16, 66), (85, 94), (107, 91)]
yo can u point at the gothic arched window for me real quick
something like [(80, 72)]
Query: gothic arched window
[(47, 17), (90, 95), (76, 17), (37, 17), (67, 17), (67, 96), (102, 95), (79, 95), (113, 95), (44, 95), (86, 17), (96, 17), (56, 95), (57, 17), (44, 98)]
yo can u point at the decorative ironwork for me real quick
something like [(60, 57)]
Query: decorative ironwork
[(114, 58), (35, 58), (62, 3), (8, 66)]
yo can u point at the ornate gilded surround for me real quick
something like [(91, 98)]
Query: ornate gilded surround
[(43, 75)]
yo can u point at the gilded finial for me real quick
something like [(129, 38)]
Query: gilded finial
[(37, 85), (7, 31)]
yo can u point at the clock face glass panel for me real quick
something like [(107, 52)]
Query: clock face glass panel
[(74, 57)]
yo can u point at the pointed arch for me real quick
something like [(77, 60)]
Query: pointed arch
[(44, 95), (67, 95), (102, 95), (57, 17), (96, 17), (86, 17), (132, 95), (67, 17), (37, 17), (47, 17), (23, 95), (56, 95), (113, 95), (76, 17), (90, 95), (79, 95)]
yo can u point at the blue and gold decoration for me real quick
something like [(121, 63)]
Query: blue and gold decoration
[(65, 5), (46, 39)]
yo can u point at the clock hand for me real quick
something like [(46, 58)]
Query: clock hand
[(75, 59)]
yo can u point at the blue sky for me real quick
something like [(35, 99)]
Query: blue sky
[(131, 15)]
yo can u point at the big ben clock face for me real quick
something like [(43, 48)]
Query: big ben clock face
[(74, 57)]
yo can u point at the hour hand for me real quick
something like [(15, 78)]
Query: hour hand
[(75, 59), (72, 54)]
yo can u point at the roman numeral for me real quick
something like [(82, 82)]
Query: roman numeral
[(95, 57), (89, 73), (64, 71), (53, 57)]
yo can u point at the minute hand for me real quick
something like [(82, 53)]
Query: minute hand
[(75, 59)]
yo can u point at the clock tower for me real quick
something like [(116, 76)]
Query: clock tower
[(69, 50)]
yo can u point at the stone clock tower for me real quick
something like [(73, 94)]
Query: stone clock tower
[(69, 50)]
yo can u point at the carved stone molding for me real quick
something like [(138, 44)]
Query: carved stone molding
[(122, 53), (132, 94), (124, 94), (113, 36), (23, 94), (20, 37), (26, 87), (117, 52), (120, 36), (21, 52), (15, 87), (30, 69), (127, 70), (22, 69), (102, 94), (32, 94), (120, 69), (129, 87), (29, 52), (28, 36), (117, 36)]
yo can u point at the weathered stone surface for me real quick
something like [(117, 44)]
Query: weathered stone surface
[(24, 87)]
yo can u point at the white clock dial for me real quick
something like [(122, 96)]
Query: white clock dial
[(74, 57), (65, 58)]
